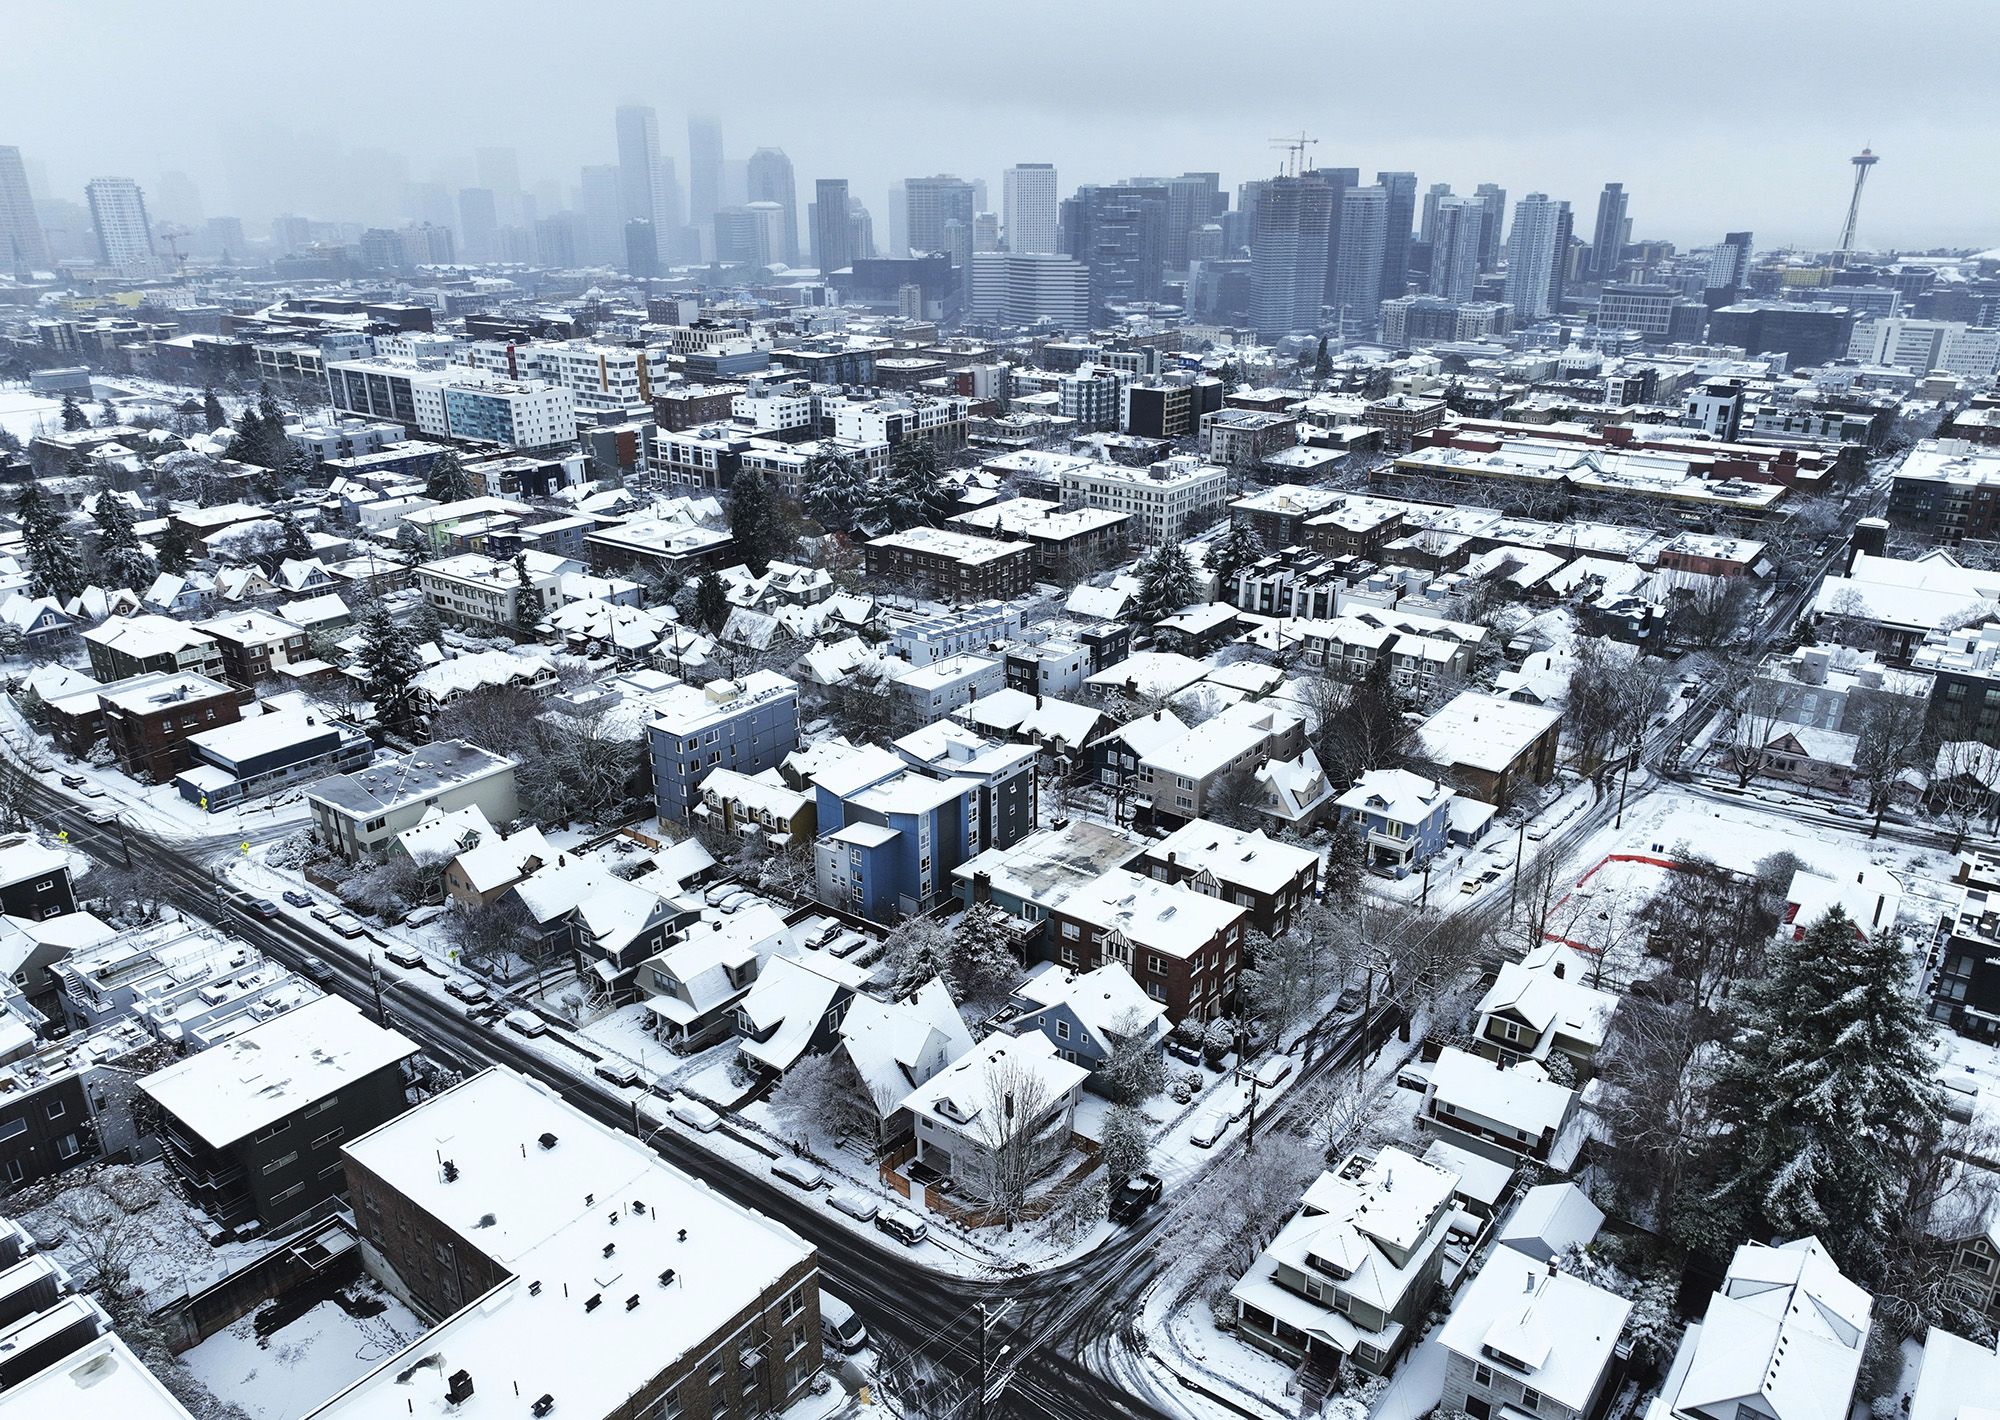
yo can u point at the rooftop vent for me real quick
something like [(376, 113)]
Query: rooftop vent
[(459, 1389), (610, 1248), (535, 1288), (632, 1302), (667, 1278), (542, 1406), (548, 1141), (593, 1301), (450, 1171)]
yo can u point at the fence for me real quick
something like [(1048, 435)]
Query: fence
[(328, 1252)]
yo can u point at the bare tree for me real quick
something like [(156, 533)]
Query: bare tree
[(1020, 1141), (1656, 1101), (822, 1094), (1759, 711), (1889, 740), (1959, 794)]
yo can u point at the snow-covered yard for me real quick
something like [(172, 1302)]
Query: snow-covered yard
[(286, 1371)]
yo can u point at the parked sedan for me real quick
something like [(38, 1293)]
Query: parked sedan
[(297, 898)]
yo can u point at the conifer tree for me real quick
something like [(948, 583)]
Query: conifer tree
[(121, 561), (754, 521), (211, 410), (73, 417), (55, 562), (448, 482), (1166, 584), (389, 667)]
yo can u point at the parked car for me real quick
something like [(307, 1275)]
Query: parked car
[(297, 898), (422, 916), (1139, 1192), (903, 1225), (92, 790), (74, 781), (100, 818), (798, 1173), (343, 925), (616, 1072), (465, 990), (526, 1023), (839, 1324), (404, 957), (1209, 1129), (694, 1114), (1273, 1072), (854, 1204)]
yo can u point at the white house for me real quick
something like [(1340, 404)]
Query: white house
[(1505, 1114), (1527, 1339), (1004, 1107), (1782, 1338), (896, 1046)]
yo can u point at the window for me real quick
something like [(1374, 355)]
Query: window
[(1071, 931), (271, 1131), (13, 1129), (283, 1161), (1530, 1399), (1482, 1375), (56, 1109), (282, 1194), (68, 1147), (1062, 1030), (331, 1136)]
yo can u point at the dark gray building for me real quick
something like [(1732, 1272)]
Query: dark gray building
[(1120, 233)]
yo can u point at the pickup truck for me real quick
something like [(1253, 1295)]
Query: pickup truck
[(1138, 1193)]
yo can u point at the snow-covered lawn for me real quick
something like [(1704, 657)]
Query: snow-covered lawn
[(308, 1359)]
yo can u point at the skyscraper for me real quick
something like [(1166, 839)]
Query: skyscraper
[(1030, 207), (1288, 259), (1427, 228), (479, 223), (931, 202), (1359, 261), (1457, 225), (642, 253), (1607, 239), (597, 209), (21, 242), (118, 211), (1495, 198), (769, 179), (1120, 234), (860, 230), (899, 220), (1191, 201), (1536, 246), (1401, 189), (1339, 181), (704, 170), (638, 154), (500, 171), (1729, 267), (833, 228)]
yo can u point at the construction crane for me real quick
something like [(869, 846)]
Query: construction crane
[(1296, 150)]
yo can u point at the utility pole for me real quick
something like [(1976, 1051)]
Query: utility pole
[(1626, 783), (981, 1408), (1514, 883), (375, 983)]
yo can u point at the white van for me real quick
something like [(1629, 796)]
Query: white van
[(839, 1325)]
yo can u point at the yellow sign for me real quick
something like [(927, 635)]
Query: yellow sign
[(63, 834), (245, 848), (865, 1395)]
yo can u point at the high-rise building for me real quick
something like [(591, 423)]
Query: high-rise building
[(642, 251), (479, 223), (1359, 261), (500, 170), (1495, 199), (1340, 181), (860, 230), (769, 179), (1030, 207), (21, 243), (1457, 227), (598, 199), (1427, 228), (930, 203), (1021, 288), (833, 230), (1288, 258), (118, 211), (1401, 189), (1536, 246), (1192, 198), (958, 246), (1729, 267), (899, 221), (752, 234), (985, 231), (1607, 241), (704, 169), (638, 152), (1120, 234)]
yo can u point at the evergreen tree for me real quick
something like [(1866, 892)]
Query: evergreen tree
[(176, 548), (55, 562), (389, 667), (448, 482), (296, 545), (211, 410), (711, 603), (914, 469), (1322, 367), (121, 561), (1231, 553), (1827, 1101), (1166, 584), (247, 444), (107, 415), (413, 549), (1128, 1146), (529, 603), (835, 491), (426, 626), (73, 417), (754, 521)]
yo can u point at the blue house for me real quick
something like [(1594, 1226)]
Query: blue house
[(748, 725), (891, 835), (1404, 819)]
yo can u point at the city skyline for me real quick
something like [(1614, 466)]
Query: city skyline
[(987, 106)]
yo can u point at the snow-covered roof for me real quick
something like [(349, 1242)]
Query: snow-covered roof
[(1149, 673), (1038, 717), (1049, 865), (1105, 999), (1161, 917), (966, 1096), (100, 1380), (1523, 1097), (1483, 731), (583, 1210), (789, 999), (1550, 1218), (1245, 858), (1480, 1179), (1549, 1330), (895, 1047), (1960, 1380), (1396, 794), (1550, 1004), (1785, 1331), (143, 637), (273, 1070)]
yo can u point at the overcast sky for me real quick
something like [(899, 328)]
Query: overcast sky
[(1715, 116)]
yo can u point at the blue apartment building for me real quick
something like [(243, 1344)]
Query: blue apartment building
[(890, 836), (748, 725)]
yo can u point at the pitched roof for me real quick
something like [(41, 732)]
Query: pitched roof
[(897, 1046)]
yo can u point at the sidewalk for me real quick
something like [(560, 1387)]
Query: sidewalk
[(1416, 1386)]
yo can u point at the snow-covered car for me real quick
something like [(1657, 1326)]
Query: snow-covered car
[(798, 1173), (694, 1114), (854, 1204), (297, 898), (1208, 1129)]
